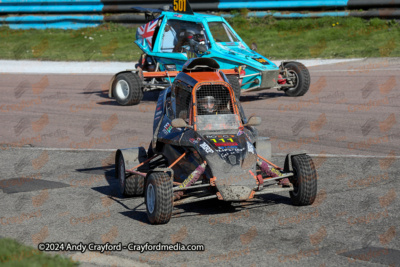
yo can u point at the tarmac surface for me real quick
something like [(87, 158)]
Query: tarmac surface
[(59, 134)]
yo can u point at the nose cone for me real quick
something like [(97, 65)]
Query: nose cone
[(234, 166)]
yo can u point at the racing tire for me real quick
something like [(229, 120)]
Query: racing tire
[(158, 197), (302, 80), (129, 185), (304, 181), (127, 89), (234, 82)]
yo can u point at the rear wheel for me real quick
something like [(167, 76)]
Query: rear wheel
[(159, 197), (304, 180), (129, 185), (300, 76), (234, 82), (127, 89)]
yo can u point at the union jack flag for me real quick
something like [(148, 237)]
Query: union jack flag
[(146, 31)]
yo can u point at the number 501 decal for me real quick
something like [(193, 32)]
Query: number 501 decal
[(180, 5)]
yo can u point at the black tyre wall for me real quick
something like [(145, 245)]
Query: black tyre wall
[(304, 180), (162, 184), (135, 84), (304, 79), (234, 82)]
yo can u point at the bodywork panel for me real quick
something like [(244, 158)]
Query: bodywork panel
[(263, 73)]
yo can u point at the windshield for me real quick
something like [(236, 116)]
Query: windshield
[(221, 33), (217, 122)]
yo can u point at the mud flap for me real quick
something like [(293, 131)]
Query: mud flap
[(132, 157), (288, 160)]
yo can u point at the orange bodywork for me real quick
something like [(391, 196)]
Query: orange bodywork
[(208, 75)]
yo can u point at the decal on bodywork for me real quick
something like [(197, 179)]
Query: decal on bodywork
[(261, 60), (250, 148), (206, 148), (195, 140), (223, 142), (167, 128)]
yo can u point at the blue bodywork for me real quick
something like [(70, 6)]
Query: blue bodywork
[(261, 73)]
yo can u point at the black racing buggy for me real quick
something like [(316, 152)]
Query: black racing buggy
[(204, 147)]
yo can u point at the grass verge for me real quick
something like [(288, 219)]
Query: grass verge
[(328, 37), (13, 254)]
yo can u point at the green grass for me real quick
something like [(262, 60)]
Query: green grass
[(327, 37), (14, 254)]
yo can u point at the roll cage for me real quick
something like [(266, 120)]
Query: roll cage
[(185, 103)]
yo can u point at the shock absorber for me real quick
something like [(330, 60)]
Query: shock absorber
[(272, 172), (191, 179), (194, 176), (268, 170)]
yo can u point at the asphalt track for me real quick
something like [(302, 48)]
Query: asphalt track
[(348, 120)]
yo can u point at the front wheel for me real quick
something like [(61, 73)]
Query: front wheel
[(300, 77), (158, 197), (304, 181), (127, 89)]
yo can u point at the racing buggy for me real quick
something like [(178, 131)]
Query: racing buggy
[(178, 34), (203, 147)]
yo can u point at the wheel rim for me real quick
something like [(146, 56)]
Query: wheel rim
[(295, 79), (122, 89), (121, 173), (151, 199)]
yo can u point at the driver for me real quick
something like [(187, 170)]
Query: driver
[(207, 105), (184, 39)]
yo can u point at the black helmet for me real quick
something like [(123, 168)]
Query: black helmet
[(207, 105)]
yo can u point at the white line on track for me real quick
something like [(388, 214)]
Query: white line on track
[(274, 154), (341, 156), (355, 71)]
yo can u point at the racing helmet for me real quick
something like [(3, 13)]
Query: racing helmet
[(207, 105)]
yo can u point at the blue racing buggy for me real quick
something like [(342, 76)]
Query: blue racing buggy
[(178, 34)]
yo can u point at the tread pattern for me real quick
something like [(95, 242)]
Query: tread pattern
[(304, 79), (234, 82), (135, 85), (304, 181), (134, 185), (163, 198)]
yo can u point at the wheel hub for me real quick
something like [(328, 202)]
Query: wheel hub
[(122, 89), (294, 78), (150, 198)]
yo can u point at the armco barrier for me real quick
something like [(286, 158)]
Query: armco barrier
[(381, 13), (74, 14), (52, 21), (259, 4)]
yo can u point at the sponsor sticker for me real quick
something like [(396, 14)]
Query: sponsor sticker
[(250, 147), (206, 148), (167, 128), (195, 140)]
